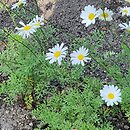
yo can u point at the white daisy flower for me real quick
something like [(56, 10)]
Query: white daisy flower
[(89, 14), (125, 11), (20, 2), (105, 14), (111, 94), (56, 53), (125, 26), (38, 21), (79, 56), (26, 30)]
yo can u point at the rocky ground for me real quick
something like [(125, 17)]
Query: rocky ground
[(15, 118), (64, 15)]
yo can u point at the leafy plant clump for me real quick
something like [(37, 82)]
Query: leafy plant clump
[(72, 109), (59, 85), (29, 72)]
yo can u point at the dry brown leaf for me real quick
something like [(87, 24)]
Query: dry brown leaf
[(2, 46)]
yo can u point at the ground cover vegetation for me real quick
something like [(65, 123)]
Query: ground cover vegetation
[(51, 76)]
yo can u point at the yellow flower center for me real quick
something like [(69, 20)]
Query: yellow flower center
[(27, 27), (57, 54), (37, 24), (19, 3), (127, 0), (128, 30), (111, 96), (125, 11), (80, 56), (105, 15), (91, 16)]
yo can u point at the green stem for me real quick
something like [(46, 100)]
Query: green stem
[(124, 40), (38, 41), (38, 12), (113, 36), (23, 45), (11, 11), (29, 11), (10, 68), (11, 62), (8, 10), (104, 67)]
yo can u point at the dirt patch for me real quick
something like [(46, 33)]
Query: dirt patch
[(47, 7), (9, 2), (15, 118), (66, 15)]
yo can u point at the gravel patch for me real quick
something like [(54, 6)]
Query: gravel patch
[(14, 117)]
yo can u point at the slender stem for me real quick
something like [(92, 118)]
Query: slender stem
[(38, 12), (29, 10), (42, 31), (124, 37), (103, 8), (104, 67), (38, 41), (23, 45), (11, 62), (10, 68), (8, 10), (11, 11), (113, 36)]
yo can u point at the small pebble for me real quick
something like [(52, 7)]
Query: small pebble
[(33, 118), (126, 127), (7, 112), (114, 119), (30, 124)]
